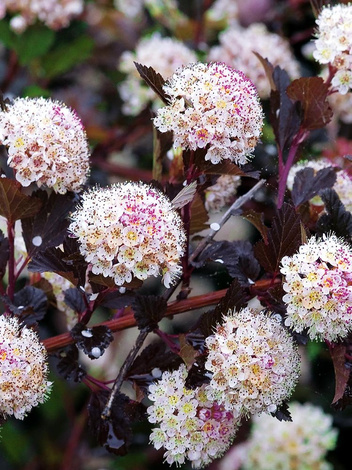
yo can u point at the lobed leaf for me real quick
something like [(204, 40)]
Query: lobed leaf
[(284, 238), (307, 184), (74, 299), (154, 80), (312, 93), (148, 311), (15, 205), (342, 372), (282, 413), (336, 219), (92, 341), (68, 366)]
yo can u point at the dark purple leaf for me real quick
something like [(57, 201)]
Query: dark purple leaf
[(235, 298), (114, 299), (148, 311), (312, 93), (74, 299), (68, 366), (197, 374), (317, 6), (151, 362), (284, 114), (199, 219), (284, 238), (336, 219), (228, 168), (268, 69), (257, 220), (92, 341), (49, 225), (4, 254), (30, 305), (114, 432), (154, 80), (342, 373), (162, 144), (307, 184), (15, 205), (282, 413)]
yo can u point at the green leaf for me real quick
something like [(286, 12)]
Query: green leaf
[(13, 204), (61, 59), (34, 42), (7, 37), (34, 91)]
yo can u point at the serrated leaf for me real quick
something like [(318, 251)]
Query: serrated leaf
[(235, 298), (30, 305), (268, 69), (257, 220), (284, 114), (114, 299), (199, 218), (197, 375), (49, 223), (185, 196), (92, 341), (342, 373), (228, 168), (74, 299), (68, 366), (312, 93), (4, 254), (148, 311), (115, 432), (307, 184), (151, 362), (154, 80), (336, 219), (15, 205), (284, 238)]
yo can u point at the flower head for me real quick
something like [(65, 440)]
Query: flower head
[(215, 107), (56, 14), (236, 50), (46, 144), (298, 445), (23, 369), (190, 426), (317, 282), (334, 42), (342, 186), (165, 55), (254, 362), (127, 230)]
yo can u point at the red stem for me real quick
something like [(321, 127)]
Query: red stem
[(11, 262)]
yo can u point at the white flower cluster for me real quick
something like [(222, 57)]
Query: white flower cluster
[(165, 55), (341, 106), (222, 192), (342, 186), (254, 362), (318, 288), (56, 14), (131, 9), (23, 369), (214, 107), (334, 43), (236, 50), (190, 426), (46, 144), (59, 285), (127, 230), (298, 445), (223, 10)]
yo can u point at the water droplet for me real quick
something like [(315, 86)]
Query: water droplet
[(156, 373), (37, 240), (87, 333), (215, 226), (122, 290), (96, 352)]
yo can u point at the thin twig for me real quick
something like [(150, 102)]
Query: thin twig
[(231, 211)]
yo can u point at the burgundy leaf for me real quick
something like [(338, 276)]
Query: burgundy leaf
[(307, 184), (68, 366), (15, 205), (284, 238), (92, 341), (199, 219), (154, 80), (312, 93), (4, 254), (342, 373), (336, 219), (148, 311)]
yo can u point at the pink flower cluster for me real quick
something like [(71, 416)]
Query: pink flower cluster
[(46, 144), (318, 286), (215, 107), (190, 425), (128, 230)]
